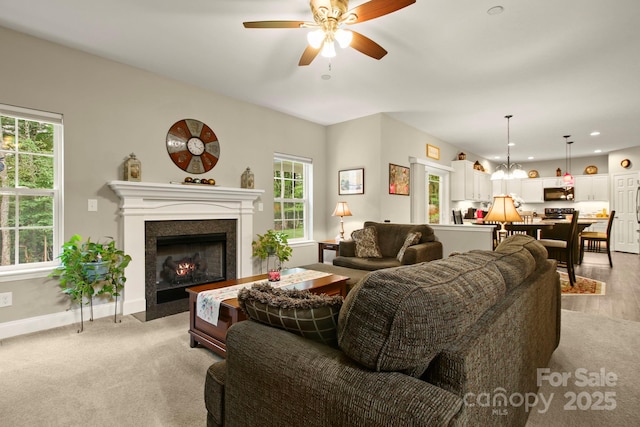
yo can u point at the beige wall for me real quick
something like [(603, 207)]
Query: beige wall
[(111, 110), (372, 143)]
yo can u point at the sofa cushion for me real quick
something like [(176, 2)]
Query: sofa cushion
[(368, 264), (399, 319), (366, 240), (412, 239), (299, 311), (214, 391), (391, 235), (519, 242)]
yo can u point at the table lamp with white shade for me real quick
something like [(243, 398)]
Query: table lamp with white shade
[(503, 210), (341, 210)]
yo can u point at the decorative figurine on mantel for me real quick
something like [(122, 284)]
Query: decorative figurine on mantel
[(132, 169), (558, 172), (246, 180)]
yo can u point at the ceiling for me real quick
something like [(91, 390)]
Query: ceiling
[(453, 70)]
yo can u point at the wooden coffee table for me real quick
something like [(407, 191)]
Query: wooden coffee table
[(214, 337)]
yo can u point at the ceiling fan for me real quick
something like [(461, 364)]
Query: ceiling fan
[(329, 17)]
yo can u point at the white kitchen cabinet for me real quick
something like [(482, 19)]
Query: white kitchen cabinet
[(552, 182), (531, 190), (514, 187), (507, 186), (482, 186), (591, 188), (468, 183)]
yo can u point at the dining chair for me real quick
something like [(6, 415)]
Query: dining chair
[(562, 247), (594, 240)]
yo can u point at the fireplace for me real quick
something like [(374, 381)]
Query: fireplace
[(183, 261), (152, 211), (180, 254)]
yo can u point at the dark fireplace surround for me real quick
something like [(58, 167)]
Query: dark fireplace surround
[(220, 230)]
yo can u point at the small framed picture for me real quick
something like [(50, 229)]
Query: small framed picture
[(398, 179), (351, 181), (433, 152)]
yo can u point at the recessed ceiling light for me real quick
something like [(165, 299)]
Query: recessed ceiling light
[(325, 76), (597, 151), (595, 133), (496, 157), (495, 10), (511, 144), (530, 157)]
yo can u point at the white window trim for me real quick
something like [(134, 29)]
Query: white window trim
[(419, 204), (308, 190), (43, 269)]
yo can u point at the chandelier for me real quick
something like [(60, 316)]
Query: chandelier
[(508, 170), (567, 179)]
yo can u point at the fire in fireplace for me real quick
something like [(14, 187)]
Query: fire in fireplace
[(183, 261), (186, 270)]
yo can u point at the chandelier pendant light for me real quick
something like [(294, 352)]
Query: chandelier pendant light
[(508, 170), (567, 179)]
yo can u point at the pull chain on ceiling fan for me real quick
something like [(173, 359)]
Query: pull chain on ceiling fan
[(329, 17)]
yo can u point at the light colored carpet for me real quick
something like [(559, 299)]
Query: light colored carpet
[(145, 374), (127, 374), (593, 344)]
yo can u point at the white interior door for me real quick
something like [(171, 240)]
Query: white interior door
[(625, 227)]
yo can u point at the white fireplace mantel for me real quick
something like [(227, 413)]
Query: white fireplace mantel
[(144, 201)]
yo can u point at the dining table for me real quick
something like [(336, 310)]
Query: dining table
[(546, 229)]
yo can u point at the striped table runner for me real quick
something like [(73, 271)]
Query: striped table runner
[(208, 303)]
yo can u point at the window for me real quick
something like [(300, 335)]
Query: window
[(30, 187), (434, 197), (292, 183)]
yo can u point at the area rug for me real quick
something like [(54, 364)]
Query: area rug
[(583, 286)]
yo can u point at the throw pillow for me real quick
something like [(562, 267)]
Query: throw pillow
[(413, 238), (366, 243), (298, 311)]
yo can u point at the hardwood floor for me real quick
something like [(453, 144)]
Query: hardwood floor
[(622, 298)]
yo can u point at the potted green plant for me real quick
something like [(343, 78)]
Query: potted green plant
[(88, 269), (272, 244)]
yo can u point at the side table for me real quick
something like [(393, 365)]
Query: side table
[(330, 245)]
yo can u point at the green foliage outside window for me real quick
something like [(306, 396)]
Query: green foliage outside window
[(434, 199), (289, 197), (26, 199)]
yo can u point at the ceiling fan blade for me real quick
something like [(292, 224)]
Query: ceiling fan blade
[(376, 8), (367, 46), (308, 55), (273, 24)]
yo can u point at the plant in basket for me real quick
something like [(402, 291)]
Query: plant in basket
[(88, 269)]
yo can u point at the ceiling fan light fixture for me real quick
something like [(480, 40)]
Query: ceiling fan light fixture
[(343, 37), (315, 38), (328, 50)]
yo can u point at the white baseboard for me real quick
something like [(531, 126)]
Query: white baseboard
[(135, 306), (54, 320)]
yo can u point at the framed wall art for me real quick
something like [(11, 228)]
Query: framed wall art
[(433, 152), (398, 179), (351, 181)]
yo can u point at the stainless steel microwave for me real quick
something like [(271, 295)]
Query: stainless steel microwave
[(558, 194)]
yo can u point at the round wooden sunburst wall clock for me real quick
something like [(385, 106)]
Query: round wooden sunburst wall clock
[(193, 146)]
